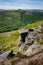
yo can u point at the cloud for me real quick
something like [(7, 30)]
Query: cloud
[(9, 6), (32, 1), (21, 4)]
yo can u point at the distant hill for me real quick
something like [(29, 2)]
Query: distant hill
[(34, 10), (1, 10), (15, 19)]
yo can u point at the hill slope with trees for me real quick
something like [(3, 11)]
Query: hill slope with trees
[(15, 19)]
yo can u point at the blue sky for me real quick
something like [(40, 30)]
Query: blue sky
[(21, 4)]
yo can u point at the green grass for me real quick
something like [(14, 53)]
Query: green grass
[(9, 40), (34, 25)]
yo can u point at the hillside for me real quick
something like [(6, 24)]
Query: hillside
[(15, 19), (33, 25), (9, 40)]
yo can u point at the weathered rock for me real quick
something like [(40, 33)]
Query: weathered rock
[(34, 60), (4, 56), (11, 54), (41, 27), (19, 59), (30, 37), (34, 49), (22, 37), (1, 50)]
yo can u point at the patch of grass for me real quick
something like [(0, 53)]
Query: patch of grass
[(8, 41), (40, 42), (13, 45), (34, 25)]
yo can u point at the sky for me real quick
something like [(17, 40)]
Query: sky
[(21, 4)]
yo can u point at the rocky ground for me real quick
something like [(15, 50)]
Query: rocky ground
[(20, 59), (35, 60), (33, 56)]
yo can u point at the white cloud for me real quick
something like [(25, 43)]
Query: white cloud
[(12, 7), (27, 4)]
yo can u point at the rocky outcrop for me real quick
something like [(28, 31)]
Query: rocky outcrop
[(36, 60), (29, 60), (30, 36), (3, 56), (20, 59), (34, 49), (1, 50), (41, 27)]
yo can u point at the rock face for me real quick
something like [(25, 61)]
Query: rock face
[(20, 59), (41, 27), (3, 56), (37, 59), (22, 37), (11, 54), (34, 60), (34, 49), (34, 53), (1, 50), (30, 37)]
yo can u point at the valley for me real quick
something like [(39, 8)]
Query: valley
[(15, 19)]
